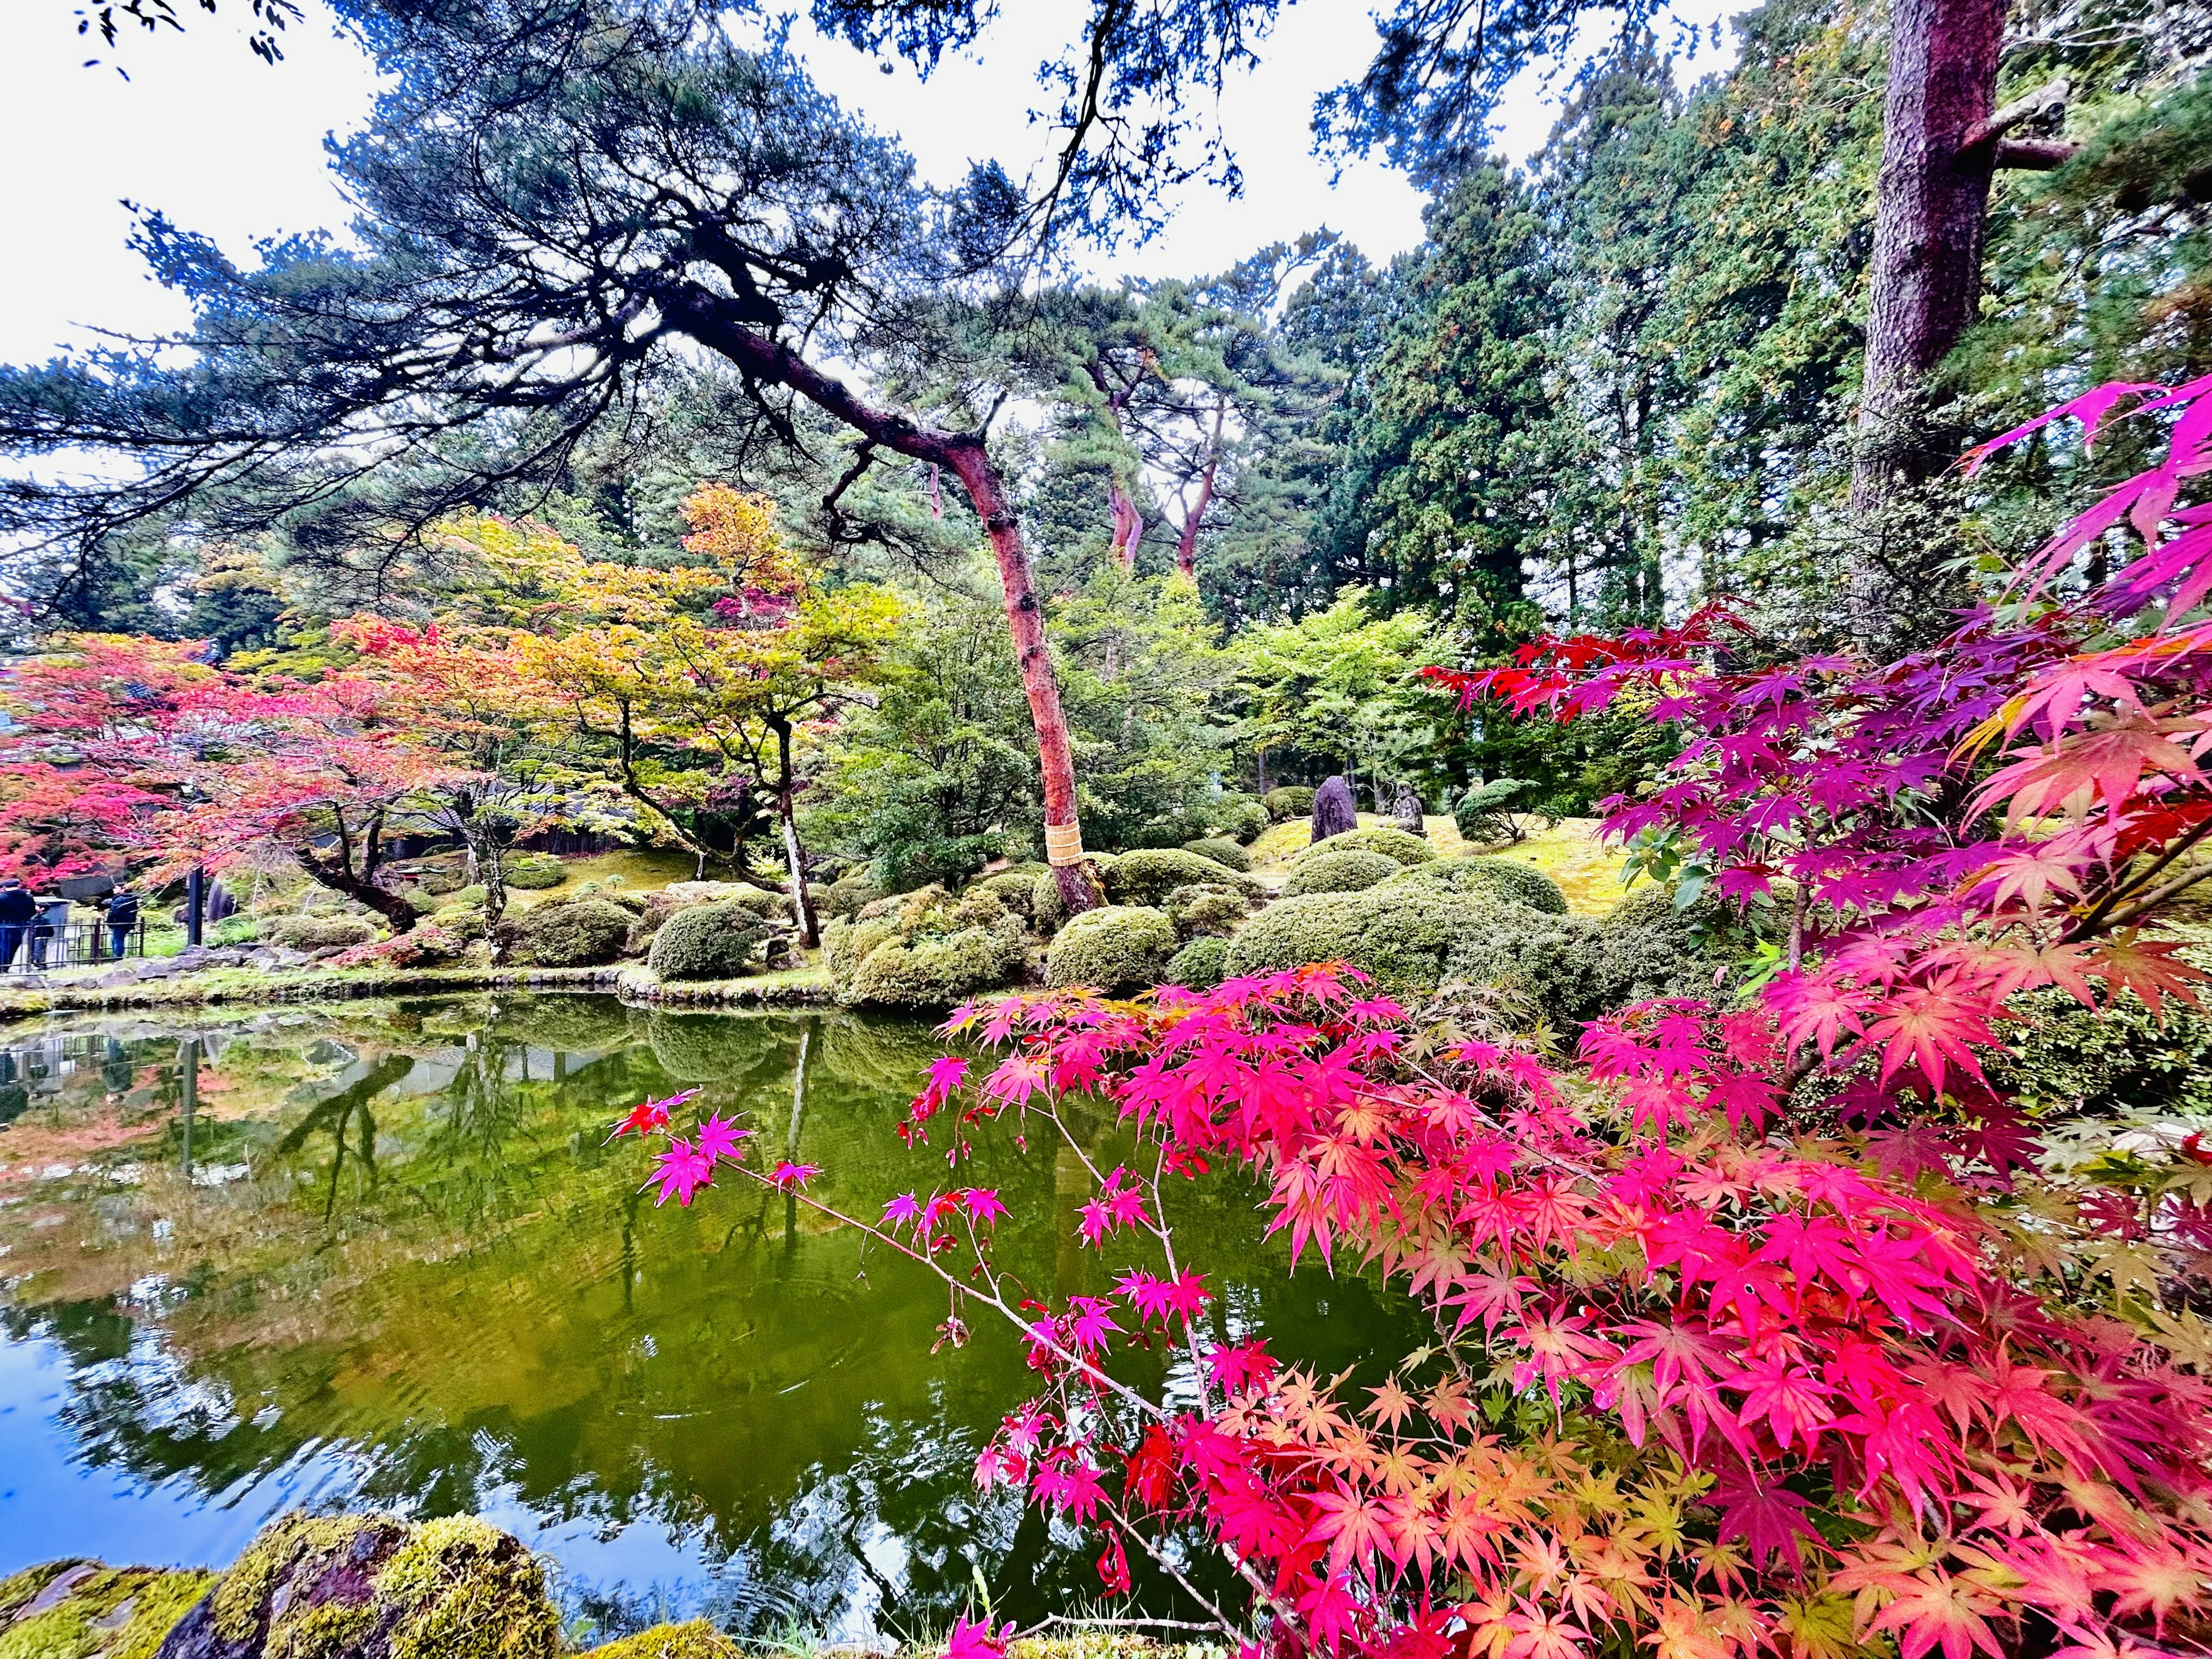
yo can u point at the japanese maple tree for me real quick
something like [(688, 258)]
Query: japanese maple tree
[(1768, 1325)]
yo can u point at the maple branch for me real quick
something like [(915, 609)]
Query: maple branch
[(1220, 1618), (2100, 915)]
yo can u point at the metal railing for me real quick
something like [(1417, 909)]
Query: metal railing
[(34, 947)]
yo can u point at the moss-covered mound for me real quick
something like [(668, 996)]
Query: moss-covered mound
[(374, 1587), (1118, 947), (1648, 948), (1222, 851), (1328, 869), (1200, 965), (696, 1640), (1492, 878), (533, 870), (579, 932), (848, 894), (1413, 942), (1015, 888), (1395, 844), (1292, 800), (925, 950), (318, 931), (81, 1610), (1147, 877), (709, 941)]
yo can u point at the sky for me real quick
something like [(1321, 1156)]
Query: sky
[(228, 146)]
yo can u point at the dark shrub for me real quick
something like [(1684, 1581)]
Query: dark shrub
[(1200, 965), (1292, 800), (709, 941)]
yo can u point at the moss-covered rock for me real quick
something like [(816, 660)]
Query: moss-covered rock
[(323, 931), (1329, 869), (709, 941), (1222, 851), (1413, 942), (374, 1587), (1117, 947), (82, 1610), (578, 933), (1393, 844), (1494, 878), (535, 871), (1146, 877), (1292, 800), (1200, 965), (695, 1640)]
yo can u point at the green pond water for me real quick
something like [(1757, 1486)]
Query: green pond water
[(378, 1255)]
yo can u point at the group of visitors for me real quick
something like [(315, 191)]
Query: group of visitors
[(24, 916)]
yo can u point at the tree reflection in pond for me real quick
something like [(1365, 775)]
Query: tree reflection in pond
[(385, 1258)]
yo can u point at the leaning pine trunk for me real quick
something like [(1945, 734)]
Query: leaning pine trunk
[(1063, 833), (721, 324)]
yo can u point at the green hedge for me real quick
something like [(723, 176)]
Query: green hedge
[(1495, 877), (1222, 851), (1292, 800), (1147, 877), (1347, 870), (1206, 908), (1410, 943), (1119, 947), (925, 950), (1200, 965), (536, 869), (1395, 844), (1242, 818), (707, 941), (578, 933), (323, 931)]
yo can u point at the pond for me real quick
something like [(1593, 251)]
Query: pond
[(378, 1255)]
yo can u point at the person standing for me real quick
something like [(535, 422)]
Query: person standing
[(17, 910), (52, 927), (121, 917)]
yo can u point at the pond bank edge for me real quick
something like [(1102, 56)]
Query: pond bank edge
[(797, 987)]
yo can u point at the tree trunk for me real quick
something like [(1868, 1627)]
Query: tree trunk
[(1931, 224), (1187, 543), (1128, 527), (802, 908), (339, 871), (719, 323)]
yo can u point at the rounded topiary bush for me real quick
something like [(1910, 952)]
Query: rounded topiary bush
[(848, 894), (926, 948), (1208, 907), (1412, 942), (932, 970), (1200, 965), (707, 941), (1393, 844), (581, 933), (1015, 888), (323, 931), (533, 870), (1292, 800), (1147, 877), (1648, 948), (1329, 871), (1243, 819), (1222, 851), (1118, 947), (1495, 877)]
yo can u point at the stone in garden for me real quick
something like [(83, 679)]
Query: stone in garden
[(1334, 811), (1408, 812)]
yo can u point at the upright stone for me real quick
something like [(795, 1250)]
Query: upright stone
[(1333, 812), (1408, 812)]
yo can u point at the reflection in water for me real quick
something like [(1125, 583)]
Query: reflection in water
[(380, 1255)]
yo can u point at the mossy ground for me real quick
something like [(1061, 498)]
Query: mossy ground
[(1569, 853)]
